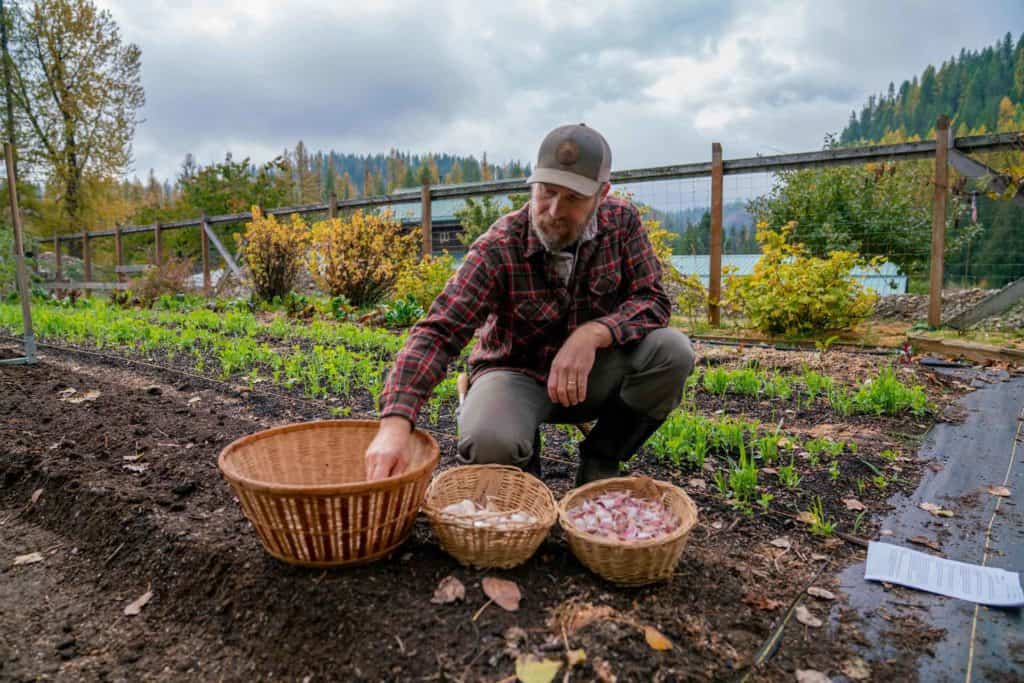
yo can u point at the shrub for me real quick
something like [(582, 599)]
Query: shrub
[(693, 296), (423, 281), (273, 252), (477, 216), (887, 395), (402, 312), (170, 278), (360, 256), (792, 293)]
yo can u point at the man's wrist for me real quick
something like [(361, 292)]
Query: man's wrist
[(396, 424), (598, 333)]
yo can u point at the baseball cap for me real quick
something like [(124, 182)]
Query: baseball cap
[(573, 156)]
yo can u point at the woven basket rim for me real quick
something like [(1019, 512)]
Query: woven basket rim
[(231, 474), (684, 527), (435, 514)]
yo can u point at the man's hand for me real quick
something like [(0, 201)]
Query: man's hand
[(388, 453), (567, 380)]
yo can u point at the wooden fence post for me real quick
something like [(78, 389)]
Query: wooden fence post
[(56, 253), (158, 241), (425, 223), (715, 272), (939, 220), (118, 252), (205, 242), (332, 205), (86, 259)]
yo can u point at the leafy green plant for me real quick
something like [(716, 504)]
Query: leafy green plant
[(745, 382), (858, 521), (716, 380), (764, 501), (816, 384), (820, 525), (789, 477), (403, 312), (887, 395), (841, 401), (833, 471), (743, 479), (777, 386), (861, 484), (790, 292), (768, 447), (423, 280)]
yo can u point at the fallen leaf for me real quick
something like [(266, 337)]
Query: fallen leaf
[(135, 607), (853, 504), (926, 542), (90, 395), (804, 616), (194, 399), (603, 671), (656, 639), (806, 517), (35, 496), (698, 484), (818, 557), (137, 469), (857, 669), (575, 658), (31, 558), (1000, 491), (760, 602), (936, 510), (811, 676), (769, 470), (132, 458), (781, 542), (504, 593), (449, 590), (573, 615), (529, 669), (821, 593), (65, 394)]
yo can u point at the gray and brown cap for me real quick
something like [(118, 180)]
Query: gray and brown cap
[(574, 156)]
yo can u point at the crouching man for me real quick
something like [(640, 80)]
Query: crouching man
[(566, 293)]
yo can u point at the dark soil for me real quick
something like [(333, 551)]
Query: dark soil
[(225, 610)]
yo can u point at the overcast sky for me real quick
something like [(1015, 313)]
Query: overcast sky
[(661, 79)]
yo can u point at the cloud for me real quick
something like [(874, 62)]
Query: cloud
[(661, 78)]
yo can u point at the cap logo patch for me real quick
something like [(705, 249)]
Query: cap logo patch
[(568, 153)]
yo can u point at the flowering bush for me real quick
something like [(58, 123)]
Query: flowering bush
[(273, 252), (792, 293), (425, 279), (360, 257)]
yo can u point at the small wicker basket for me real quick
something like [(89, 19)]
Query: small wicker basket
[(303, 488), (633, 563), (510, 490)]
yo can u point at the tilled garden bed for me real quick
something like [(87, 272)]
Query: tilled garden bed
[(121, 495)]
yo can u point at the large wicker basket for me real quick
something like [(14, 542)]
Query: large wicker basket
[(632, 563), (303, 487), (509, 489)]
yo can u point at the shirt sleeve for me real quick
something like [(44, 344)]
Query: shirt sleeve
[(458, 311), (646, 306)]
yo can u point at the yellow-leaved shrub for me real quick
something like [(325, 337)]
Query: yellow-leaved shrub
[(425, 279), (790, 292), (274, 252), (361, 256)]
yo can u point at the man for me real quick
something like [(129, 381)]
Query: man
[(567, 295)]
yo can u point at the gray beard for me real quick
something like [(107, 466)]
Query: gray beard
[(553, 244)]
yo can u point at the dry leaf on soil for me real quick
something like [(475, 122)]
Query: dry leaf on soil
[(926, 542), (135, 607), (35, 496), (936, 510), (31, 558), (760, 602), (529, 669), (504, 593), (1000, 491), (781, 542), (804, 616), (656, 639), (449, 590), (572, 615), (821, 593), (811, 676), (806, 517), (698, 484), (603, 671), (853, 504), (857, 669)]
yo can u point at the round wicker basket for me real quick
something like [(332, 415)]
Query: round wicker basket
[(509, 489), (632, 563), (303, 488)]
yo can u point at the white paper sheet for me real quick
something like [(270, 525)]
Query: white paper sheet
[(985, 585)]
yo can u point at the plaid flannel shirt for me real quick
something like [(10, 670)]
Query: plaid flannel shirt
[(507, 288)]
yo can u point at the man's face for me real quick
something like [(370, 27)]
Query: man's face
[(559, 215)]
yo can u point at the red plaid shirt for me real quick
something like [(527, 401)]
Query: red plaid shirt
[(508, 288)]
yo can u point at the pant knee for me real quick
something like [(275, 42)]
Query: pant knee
[(673, 353), (494, 447)]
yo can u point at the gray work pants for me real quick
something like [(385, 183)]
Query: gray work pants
[(503, 409)]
